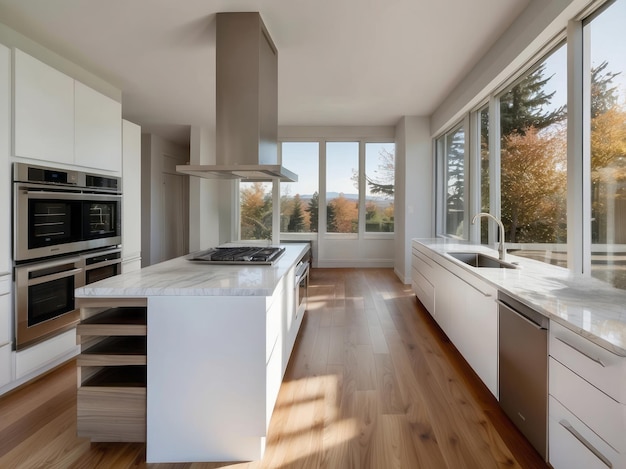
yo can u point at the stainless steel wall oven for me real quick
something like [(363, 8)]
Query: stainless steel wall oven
[(66, 233), (60, 212)]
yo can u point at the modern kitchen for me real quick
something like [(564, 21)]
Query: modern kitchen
[(245, 235)]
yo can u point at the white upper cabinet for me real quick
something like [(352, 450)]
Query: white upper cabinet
[(60, 120), (131, 190), (98, 130), (5, 165), (44, 111)]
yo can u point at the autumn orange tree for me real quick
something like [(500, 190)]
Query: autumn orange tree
[(534, 175), (342, 215), (256, 212), (608, 151)]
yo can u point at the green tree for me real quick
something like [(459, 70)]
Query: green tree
[(313, 209), (604, 94), (526, 105), (296, 221)]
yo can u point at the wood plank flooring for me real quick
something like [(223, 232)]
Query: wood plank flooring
[(372, 383)]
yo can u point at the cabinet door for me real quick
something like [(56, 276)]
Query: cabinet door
[(477, 327), (98, 130), (5, 165), (44, 111), (131, 190)]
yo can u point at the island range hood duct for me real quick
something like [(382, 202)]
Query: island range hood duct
[(246, 103)]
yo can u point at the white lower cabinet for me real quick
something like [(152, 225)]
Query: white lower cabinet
[(46, 355), (574, 445), (587, 425), (6, 365), (464, 307)]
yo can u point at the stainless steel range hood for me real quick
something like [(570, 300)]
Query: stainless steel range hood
[(246, 103)]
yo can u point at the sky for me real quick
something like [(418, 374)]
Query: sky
[(342, 158), (607, 38)]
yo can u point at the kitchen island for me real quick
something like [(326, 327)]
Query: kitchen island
[(216, 343)]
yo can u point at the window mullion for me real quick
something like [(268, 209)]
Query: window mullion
[(578, 160), (494, 165)]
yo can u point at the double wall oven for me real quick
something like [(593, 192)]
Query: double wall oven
[(67, 233)]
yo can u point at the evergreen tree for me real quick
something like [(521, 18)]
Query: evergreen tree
[(330, 218), (524, 106), (604, 94), (313, 210), (296, 221)]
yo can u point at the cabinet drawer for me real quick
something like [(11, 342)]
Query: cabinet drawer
[(112, 413), (6, 366), (599, 412), (422, 263), (424, 291), (5, 319), (574, 445), (603, 369)]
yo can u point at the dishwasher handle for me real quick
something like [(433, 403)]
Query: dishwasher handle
[(530, 321)]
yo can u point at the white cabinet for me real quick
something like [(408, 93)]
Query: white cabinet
[(6, 335), (131, 196), (44, 111), (421, 272), (464, 307), (587, 422), (97, 129), (5, 165), (60, 120)]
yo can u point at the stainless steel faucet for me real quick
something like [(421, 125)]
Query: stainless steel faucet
[(501, 250)]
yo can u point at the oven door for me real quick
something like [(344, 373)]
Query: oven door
[(46, 221), (51, 221), (44, 294)]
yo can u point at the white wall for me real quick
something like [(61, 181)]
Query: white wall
[(526, 36), (164, 200), (414, 204)]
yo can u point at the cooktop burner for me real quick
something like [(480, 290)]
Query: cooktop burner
[(240, 255)]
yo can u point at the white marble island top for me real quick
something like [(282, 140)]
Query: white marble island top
[(585, 305), (185, 278)]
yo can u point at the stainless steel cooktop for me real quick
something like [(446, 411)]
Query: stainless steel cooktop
[(240, 255)]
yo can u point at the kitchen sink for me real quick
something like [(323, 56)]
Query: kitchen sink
[(477, 259)]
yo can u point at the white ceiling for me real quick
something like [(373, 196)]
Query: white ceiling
[(341, 62)]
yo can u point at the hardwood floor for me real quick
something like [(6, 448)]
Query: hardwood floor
[(372, 383)]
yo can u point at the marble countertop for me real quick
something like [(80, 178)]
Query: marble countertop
[(180, 277), (588, 306)]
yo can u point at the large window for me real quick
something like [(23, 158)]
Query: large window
[(607, 143), (380, 185), (533, 161), (299, 201), (342, 187), (451, 156)]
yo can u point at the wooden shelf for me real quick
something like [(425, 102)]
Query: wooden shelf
[(118, 377), (111, 398), (115, 351), (122, 321)]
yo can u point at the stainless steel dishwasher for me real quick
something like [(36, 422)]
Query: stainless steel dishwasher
[(523, 369)]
